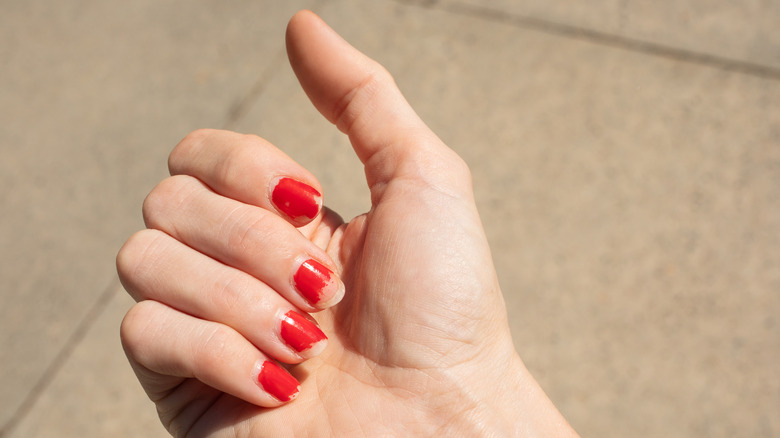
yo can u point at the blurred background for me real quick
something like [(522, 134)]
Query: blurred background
[(626, 161)]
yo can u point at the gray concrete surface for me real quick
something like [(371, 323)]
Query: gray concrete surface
[(626, 160), (744, 31)]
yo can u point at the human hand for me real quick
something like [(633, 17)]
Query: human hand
[(419, 344)]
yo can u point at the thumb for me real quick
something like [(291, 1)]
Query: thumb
[(359, 96)]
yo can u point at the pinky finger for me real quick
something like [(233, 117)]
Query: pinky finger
[(170, 346)]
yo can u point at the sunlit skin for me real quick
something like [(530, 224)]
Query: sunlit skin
[(418, 341)]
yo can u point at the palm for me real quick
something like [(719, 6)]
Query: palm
[(415, 294), (385, 331)]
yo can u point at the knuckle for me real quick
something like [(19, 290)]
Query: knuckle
[(134, 329), (170, 193), (384, 77), (349, 110), (215, 350), (198, 136), (243, 154), (380, 75), (357, 108), (137, 256), (231, 294), (245, 230), (179, 154)]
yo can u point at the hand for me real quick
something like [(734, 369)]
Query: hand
[(239, 251)]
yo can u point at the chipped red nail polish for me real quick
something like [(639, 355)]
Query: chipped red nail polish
[(297, 200), (300, 333), (311, 279), (278, 382)]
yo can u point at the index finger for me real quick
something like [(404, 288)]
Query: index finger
[(251, 170)]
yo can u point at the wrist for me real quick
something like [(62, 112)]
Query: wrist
[(525, 409), (501, 398)]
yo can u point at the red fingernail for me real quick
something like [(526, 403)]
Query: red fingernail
[(297, 200), (301, 334), (311, 279), (278, 382)]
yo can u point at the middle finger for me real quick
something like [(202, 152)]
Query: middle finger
[(246, 237)]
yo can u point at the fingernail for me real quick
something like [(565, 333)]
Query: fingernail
[(278, 382), (302, 335), (297, 200), (314, 281)]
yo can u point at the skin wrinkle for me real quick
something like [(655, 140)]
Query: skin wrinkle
[(473, 404), (429, 332), (199, 417), (338, 412), (320, 395), (422, 173), (463, 393), (366, 95), (233, 421), (356, 419), (175, 416), (405, 394), (341, 113), (453, 344), (468, 331), (224, 168), (250, 234), (454, 422), (425, 194), (377, 179), (394, 253), (433, 174), (240, 426), (228, 294), (229, 221), (214, 341), (158, 395), (431, 412), (382, 376)]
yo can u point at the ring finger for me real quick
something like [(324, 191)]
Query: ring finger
[(154, 266)]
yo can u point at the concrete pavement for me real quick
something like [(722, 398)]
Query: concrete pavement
[(626, 162)]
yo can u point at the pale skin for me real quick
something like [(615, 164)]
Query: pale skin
[(418, 340)]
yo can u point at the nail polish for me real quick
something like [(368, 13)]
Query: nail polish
[(311, 279), (297, 200), (301, 334), (278, 382)]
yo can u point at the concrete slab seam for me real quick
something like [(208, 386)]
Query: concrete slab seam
[(603, 38), (238, 111), (241, 108), (63, 354)]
